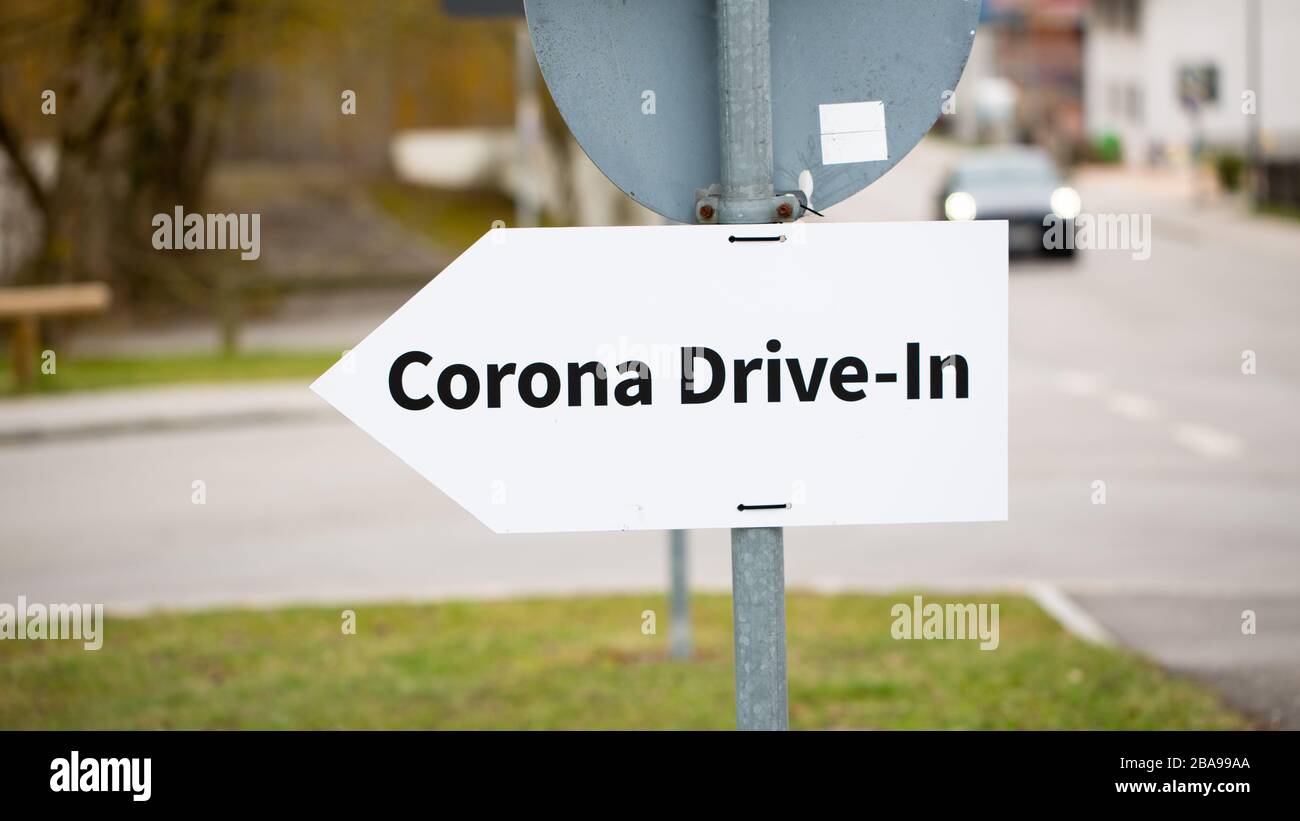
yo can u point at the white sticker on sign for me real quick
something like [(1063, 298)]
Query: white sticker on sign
[(663, 377), (853, 132)]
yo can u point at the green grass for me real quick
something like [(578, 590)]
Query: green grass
[(78, 374), (577, 663)]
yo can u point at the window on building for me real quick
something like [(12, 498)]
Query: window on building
[(1198, 86), (1133, 104), (1119, 15), (1130, 13)]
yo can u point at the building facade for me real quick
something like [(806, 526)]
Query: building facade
[(1167, 79), (1024, 80)]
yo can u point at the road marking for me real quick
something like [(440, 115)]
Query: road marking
[(1208, 442), (1078, 383), (1203, 440), (1071, 616), (1132, 406)]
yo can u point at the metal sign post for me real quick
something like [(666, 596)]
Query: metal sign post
[(757, 553), (680, 595)]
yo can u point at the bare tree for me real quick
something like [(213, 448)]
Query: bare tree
[(137, 82)]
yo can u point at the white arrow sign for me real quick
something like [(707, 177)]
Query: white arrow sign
[(574, 379)]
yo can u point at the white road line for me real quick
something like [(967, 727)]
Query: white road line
[(1202, 440), (1132, 406), (1071, 616), (1078, 383), (1208, 442)]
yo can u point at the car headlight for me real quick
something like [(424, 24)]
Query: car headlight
[(960, 207), (1066, 203)]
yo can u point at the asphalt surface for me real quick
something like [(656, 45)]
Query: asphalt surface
[(1125, 372)]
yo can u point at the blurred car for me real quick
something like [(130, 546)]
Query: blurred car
[(1020, 184)]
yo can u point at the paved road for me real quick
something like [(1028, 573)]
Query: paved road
[(1123, 372)]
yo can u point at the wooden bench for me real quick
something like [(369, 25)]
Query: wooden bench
[(27, 306)]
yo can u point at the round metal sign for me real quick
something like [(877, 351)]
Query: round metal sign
[(856, 84)]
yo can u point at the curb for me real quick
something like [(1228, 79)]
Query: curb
[(93, 414)]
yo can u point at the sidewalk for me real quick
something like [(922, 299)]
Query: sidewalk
[(328, 321), (98, 413), (1170, 197)]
